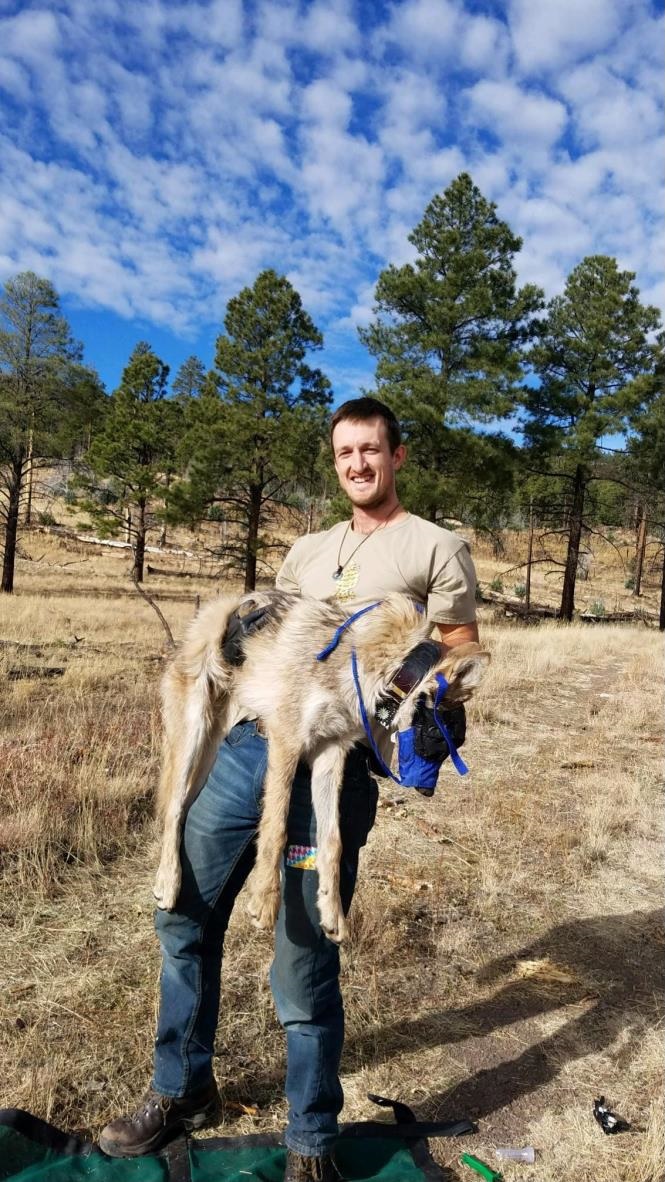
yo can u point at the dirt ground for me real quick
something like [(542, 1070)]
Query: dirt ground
[(506, 953)]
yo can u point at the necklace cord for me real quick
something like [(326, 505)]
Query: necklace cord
[(337, 574)]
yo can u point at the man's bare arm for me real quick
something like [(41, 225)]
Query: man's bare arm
[(451, 635)]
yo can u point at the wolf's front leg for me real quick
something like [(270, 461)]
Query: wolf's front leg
[(327, 774), (169, 874), (265, 892)]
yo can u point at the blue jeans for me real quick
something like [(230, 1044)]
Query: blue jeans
[(217, 853)]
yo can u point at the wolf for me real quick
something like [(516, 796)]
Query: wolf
[(308, 709)]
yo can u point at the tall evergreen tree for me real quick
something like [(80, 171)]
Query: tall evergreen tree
[(448, 336), (646, 459), (189, 381), (259, 418), (594, 360), (47, 397), (127, 460)]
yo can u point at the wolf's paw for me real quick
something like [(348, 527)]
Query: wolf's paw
[(167, 887), (263, 909), (333, 922)]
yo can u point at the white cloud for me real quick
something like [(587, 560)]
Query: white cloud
[(518, 116), (326, 103), (483, 44), (328, 27), (549, 35), (154, 171), (607, 110), (423, 28), (14, 79), (30, 35)]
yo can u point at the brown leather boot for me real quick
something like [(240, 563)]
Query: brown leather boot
[(159, 1119), (310, 1169)]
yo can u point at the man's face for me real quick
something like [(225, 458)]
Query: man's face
[(364, 463)]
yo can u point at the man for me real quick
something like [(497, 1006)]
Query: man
[(382, 548)]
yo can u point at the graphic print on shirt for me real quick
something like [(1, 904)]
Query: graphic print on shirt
[(347, 582)]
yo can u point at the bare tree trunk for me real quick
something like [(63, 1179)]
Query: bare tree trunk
[(139, 548), (638, 512), (162, 535), (639, 554), (128, 525), (661, 619), (529, 560), (30, 476), (572, 557), (11, 526), (159, 613), (252, 536)]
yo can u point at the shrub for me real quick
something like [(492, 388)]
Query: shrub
[(630, 583), (597, 608), (497, 584), (519, 590), (45, 517)]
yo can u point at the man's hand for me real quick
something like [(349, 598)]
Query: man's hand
[(427, 738), (240, 627)]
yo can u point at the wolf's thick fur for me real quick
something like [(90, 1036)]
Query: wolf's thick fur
[(309, 710)]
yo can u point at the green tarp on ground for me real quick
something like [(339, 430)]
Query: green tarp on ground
[(33, 1151)]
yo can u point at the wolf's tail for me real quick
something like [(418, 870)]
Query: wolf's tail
[(193, 691)]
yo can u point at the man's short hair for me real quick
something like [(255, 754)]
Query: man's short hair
[(359, 410)]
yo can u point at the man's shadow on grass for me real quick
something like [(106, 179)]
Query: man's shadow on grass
[(617, 971)]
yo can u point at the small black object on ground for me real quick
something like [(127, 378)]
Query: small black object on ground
[(608, 1120)]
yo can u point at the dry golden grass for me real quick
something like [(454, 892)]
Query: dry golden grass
[(610, 568), (506, 953)]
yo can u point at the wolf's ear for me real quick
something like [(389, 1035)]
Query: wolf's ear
[(464, 669)]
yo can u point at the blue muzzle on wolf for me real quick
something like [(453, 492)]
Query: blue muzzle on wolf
[(414, 771)]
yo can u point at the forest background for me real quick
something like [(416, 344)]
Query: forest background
[(505, 957), (519, 414)]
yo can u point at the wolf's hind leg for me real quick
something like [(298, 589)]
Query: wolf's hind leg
[(265, 894), (327, 774)]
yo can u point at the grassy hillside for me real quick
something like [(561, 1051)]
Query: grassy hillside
[(506, 956)]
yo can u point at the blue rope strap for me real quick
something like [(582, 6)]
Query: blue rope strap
[(442, 685), (325, 652), (363, 715), (457, 761)]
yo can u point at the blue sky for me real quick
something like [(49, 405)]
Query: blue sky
[(156, 156)]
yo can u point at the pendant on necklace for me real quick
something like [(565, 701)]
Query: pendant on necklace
[(337, 574)]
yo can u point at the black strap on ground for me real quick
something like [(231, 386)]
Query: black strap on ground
[(177, 1159), (415, 1132), (410, 1132), (408, 1127), (42, 1133)]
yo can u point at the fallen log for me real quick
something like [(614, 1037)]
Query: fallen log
[(181, 574), (636, 617), (33, 672)]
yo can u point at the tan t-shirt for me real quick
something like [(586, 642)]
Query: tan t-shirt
[(414, 556)]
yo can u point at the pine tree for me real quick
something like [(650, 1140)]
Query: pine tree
[(448, 336), (259, 418), (46, 397), (189, 381), (594, 360), (127, 460), (646, 459)]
